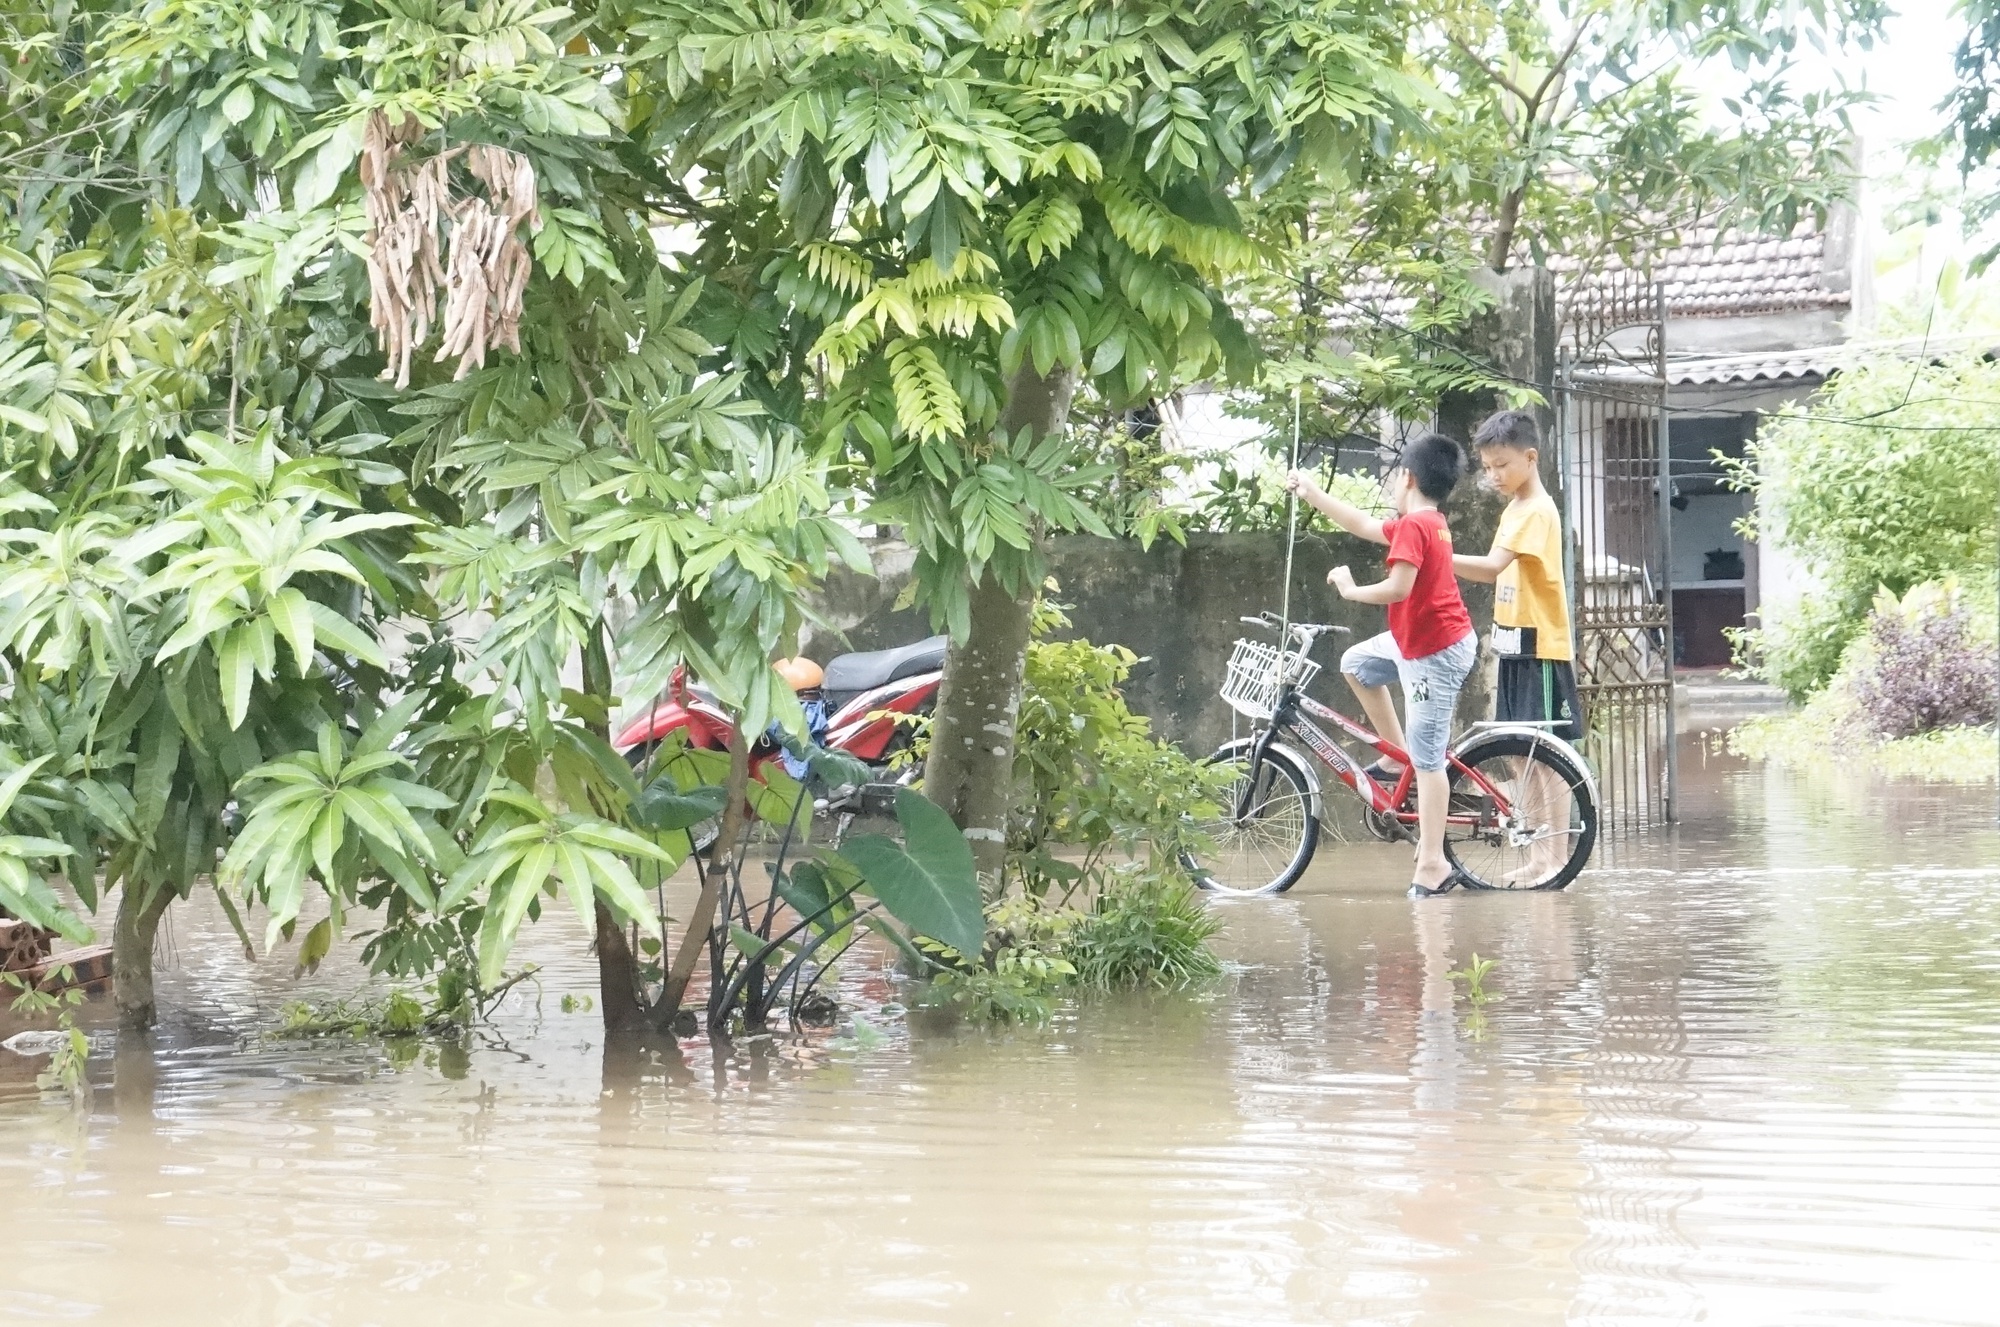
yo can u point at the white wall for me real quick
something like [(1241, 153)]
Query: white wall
[(1708, 523)]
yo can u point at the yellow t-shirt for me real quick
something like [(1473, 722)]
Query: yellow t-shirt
[(1529, 592)]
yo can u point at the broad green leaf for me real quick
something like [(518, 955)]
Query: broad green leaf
[(662, 808), (804, 888), (577, 883), (929, 883), (235, 920), (26, 895), (239, 104), (11, 787), (336, 630)]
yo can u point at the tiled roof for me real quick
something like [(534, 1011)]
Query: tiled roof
[(1721, 274), (1710, 275)]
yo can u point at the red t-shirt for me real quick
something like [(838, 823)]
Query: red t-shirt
[(1433, 618)]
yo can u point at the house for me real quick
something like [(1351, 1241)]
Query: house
[(1751, 323)]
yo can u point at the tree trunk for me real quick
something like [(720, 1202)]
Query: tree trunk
[(970, 772), (617, 976), (1503, 229), (694, 943), (617, 972), (132, 936)]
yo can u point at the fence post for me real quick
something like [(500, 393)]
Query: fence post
[(1671, 792)]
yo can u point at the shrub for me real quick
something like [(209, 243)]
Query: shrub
[(1890, 478), (1094, 896), (1925, 666), (1904, 501), (1090, 778), (1801, 651)]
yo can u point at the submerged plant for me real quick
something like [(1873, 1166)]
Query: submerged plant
[(1474, 975), (1148, 928), (69, 1049), (451, 1007)]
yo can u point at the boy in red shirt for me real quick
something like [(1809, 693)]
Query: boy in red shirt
[(1430, 645)]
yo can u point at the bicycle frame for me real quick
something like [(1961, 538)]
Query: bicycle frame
[(1287, 718)]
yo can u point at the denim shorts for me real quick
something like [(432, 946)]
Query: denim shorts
[(1430, 688)]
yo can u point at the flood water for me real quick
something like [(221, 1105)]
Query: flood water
[(1745, 1073)]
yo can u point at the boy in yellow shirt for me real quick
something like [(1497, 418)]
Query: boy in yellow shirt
[(1531, 631)]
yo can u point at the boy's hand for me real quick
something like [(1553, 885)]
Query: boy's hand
[(1298, 481), (1341, 579)]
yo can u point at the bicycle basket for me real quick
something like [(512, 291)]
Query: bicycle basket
[(1251, 685)]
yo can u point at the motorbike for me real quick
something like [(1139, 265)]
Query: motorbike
[(851, 707)]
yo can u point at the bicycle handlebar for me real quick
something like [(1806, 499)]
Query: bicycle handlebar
[(1304, 630)]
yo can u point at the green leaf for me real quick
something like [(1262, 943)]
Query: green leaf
[(291, 614), (236, 923), (929, 884), (835, 768), (11, 788), (235, 667), (319, 177), (751, 945), (24, 894), (187, 165), (153, 776), (239, 104), (337, 631), (316, 946), (804, 888), (662, 807)]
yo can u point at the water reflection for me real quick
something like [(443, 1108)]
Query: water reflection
[(1747, 1073)]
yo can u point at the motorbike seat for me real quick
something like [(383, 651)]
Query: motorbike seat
[(851, 674)]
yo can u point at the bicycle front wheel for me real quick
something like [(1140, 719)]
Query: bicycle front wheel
[(1522, 814), (1267, 832)]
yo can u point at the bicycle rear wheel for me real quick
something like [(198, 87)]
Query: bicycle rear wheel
[(1265, 849), (1522, 814)]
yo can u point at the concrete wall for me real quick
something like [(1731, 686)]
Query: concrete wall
[(1177, 607)]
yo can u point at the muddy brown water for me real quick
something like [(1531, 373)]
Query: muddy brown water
[(1747, 1072)]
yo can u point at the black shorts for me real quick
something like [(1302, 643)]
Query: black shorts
[(1538, 689)]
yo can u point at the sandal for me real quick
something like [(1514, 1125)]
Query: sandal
[(1386, 777), (1444, 886)]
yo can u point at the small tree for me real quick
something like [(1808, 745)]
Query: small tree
[(931, 226)]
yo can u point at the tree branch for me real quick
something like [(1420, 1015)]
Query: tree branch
[(1487, 69)]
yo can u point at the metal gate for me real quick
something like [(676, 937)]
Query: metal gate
[(1611, 411)]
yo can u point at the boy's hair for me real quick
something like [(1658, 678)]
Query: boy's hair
[(1509, 428), (1435, 462)]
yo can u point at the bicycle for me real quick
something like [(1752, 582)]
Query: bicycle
[(1523, 811)]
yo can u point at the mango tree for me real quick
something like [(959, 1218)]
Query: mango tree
[(345, 402)]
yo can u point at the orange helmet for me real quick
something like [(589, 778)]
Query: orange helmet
[(800, 674)]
